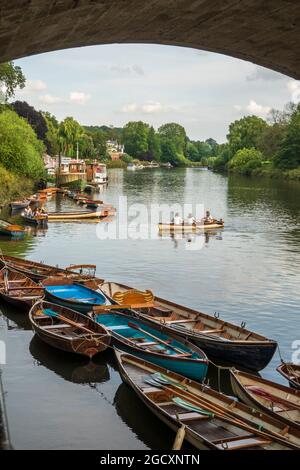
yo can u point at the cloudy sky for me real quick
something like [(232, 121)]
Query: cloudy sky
[(114, 84)]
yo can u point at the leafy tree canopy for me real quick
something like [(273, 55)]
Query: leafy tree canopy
[(11, 78)]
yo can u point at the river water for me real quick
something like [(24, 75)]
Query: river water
[(248, 272)]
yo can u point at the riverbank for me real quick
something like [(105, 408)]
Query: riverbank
[(267, 172), (13, 186)]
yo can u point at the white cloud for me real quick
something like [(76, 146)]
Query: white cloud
[(50, 99), (152, 107), (255, 108), (149, 107), (33, 86), (129, 108), (294, 89), (238, 107), (79, 97)]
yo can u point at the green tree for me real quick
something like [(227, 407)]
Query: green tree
[(154, 149), (246, 160), (52, 134), (20, 149), (175, 133), (245, 133), (69, 132), (135, 138), (12, 77), (288, 155), (192, 152)]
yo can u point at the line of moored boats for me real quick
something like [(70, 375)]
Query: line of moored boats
[(163, 350), (31, 212)]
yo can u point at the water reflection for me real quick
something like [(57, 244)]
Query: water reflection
[(191, 237), (70, 367), (142, 421), (14, 319)]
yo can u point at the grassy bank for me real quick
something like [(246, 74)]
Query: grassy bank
[(271, 172), (13, 186)]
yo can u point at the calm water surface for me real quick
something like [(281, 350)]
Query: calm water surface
[(247, 272)]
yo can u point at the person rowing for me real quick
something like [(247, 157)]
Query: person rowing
[(177, 220), (208, 219), (190, 220)]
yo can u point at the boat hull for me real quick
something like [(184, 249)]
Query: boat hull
[(194, 370), (82, 307), (247, 398), (253, 357), (188, 228)]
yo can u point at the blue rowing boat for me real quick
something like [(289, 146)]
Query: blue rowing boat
[(146, 341), (65, 292)]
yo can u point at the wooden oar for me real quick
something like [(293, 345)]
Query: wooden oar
[(98, 308), (217, 409), (136, 327), (179, 438)]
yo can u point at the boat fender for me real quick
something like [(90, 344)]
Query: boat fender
[(243, 324)]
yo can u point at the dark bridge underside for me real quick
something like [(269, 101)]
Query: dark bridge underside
[(266, 32)]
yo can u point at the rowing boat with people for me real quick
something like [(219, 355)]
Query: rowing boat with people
[(218, 338), (188, 227)]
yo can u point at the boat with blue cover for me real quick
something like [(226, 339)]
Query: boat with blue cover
[(65, 292), (147, 341)]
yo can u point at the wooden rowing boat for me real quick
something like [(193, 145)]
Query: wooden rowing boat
[(291, 372), (73, 295), (11, 230), (17, 289), (185, 227), (104, 211), (38, 220), (39, 271), (211, 420), (219, 339), (277, 400), (68, 330), (17, 205), (145, 340)]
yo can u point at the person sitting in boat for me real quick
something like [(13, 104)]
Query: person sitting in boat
[(190, 220), (28, 212), (208, 218), (177, 220)]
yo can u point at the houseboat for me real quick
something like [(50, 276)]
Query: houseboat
[(96, 173)]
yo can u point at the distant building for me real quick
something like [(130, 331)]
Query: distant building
[(114, 149), (51, 164)]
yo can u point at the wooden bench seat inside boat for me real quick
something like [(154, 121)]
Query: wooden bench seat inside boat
[(189, 416), (60, 325), (187, 320), (241, 442)]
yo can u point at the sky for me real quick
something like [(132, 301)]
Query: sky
[(114, 84)]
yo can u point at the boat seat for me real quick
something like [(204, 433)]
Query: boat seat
[(180, 321), (148, 343), (241, 442), (189, 416), (208, 332), (59, 325), (118, 327), (161, 309)]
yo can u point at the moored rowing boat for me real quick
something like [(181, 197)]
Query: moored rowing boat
[(70, 294), (277, 400), (211, 420), (219, 339), (68, 330), (11, 230), (17, 289), (147, 341), (103, 211), (291, 372)]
